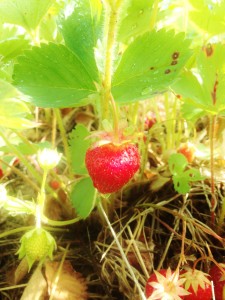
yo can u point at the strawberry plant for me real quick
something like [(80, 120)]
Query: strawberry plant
[(111, 142)]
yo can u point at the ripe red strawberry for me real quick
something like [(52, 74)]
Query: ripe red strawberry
[(165, 285), (218, 279), (197, 284), (111, 166)]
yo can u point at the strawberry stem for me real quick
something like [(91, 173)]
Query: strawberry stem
[(213, 196), (64, 139), (41, 200), (112, 9)]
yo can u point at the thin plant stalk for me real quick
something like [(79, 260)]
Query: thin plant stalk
[(211, 139), (142, 295), (64, 139), (21, 157), (112, 12)]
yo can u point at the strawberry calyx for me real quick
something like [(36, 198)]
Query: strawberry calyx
[(197, 283), (36, 245), (165, 285)]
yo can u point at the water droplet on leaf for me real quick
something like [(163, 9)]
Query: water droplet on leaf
[(146, 91)]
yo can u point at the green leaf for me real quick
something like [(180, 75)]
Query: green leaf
[(189, 87), (26, 148), (181, 184), (13, 111), (211, 65), (26, 13), (137, 19), (12, 47), (181, 177), (54, 77), (81, 30), (177, 163), (191, 112), (78, 146), (208, 15), (83, 197), (149, 65), (193, 175), (203, 87)]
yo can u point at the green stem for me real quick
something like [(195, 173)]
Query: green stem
[(22, 175), (213, 196), (59, 223), (64, 139), (222, 214), (16, 230), (41, 200), (42, 194), (107, 98)]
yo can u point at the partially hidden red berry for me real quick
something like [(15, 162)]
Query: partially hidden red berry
[(55, 185), (111, 166), (197, 284), (149, 289), (188, 151), (218, 279), (165, 284), (150, 120)]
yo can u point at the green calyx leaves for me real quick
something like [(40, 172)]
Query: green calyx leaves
[(36, 245), (182, 177)]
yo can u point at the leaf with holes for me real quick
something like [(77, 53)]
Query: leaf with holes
[(83, 197), (54, 77), (26, 13), (149, 65), (182, 178), (177, 163)]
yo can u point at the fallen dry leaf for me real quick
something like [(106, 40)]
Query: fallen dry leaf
[(65, 284), (36, 288), (21, 271)]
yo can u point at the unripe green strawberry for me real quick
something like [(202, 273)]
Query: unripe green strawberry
[(111, 165), (36, 245)]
